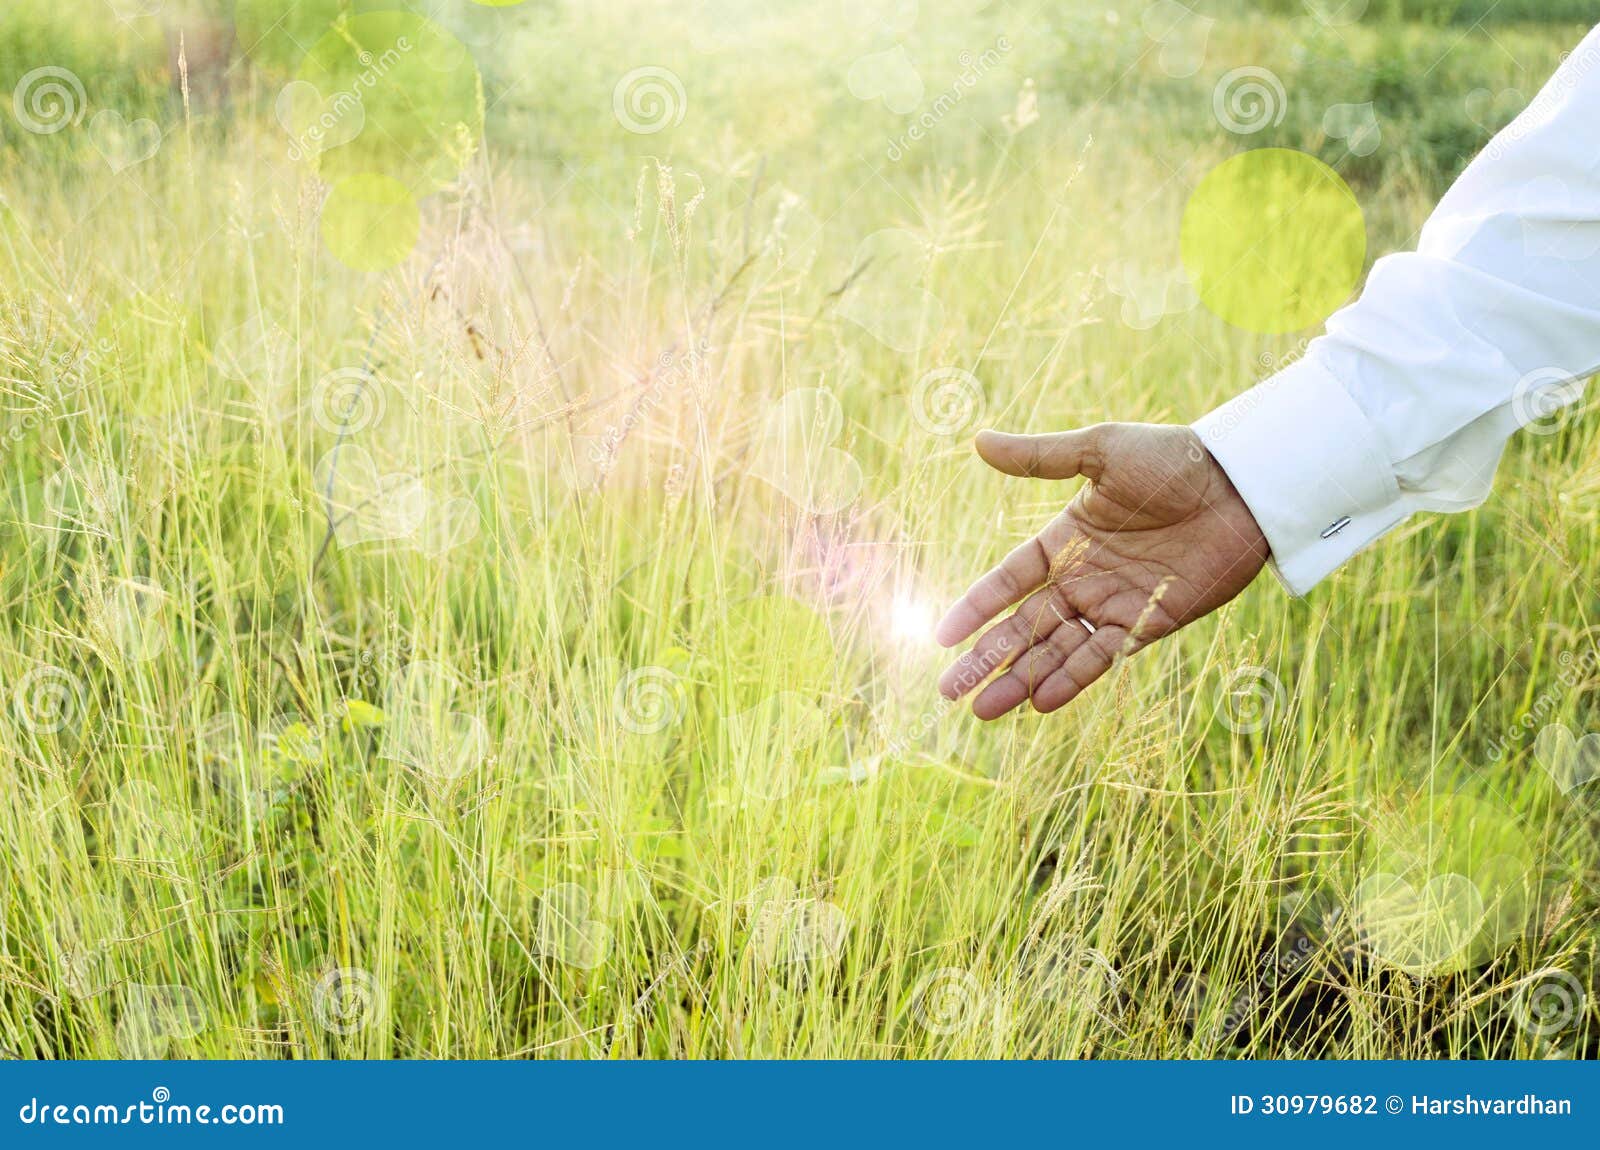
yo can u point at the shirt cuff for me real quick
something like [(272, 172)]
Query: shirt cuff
[(1310, 467)]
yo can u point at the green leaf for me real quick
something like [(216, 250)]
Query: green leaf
[(360, 714)]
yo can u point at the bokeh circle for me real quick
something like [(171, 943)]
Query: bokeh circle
[(1273, 240)]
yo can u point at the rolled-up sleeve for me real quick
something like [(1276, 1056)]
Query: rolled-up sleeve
[(1405, 404)]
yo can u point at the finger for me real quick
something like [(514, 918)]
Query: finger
[(999, 697), (1060, 455), (1018, 573), (1003, 642), (1028, 673), (1087, 663)]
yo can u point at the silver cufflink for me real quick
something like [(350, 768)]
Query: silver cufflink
[(1334, 528)]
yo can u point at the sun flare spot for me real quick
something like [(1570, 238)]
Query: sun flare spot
[(911, 620)]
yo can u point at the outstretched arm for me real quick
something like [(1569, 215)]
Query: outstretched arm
[(1407, 402), (1404, 405)]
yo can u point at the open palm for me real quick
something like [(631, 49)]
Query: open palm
[(1157, 539)]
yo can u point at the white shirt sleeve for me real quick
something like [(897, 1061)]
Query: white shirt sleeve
[(1406, 402)]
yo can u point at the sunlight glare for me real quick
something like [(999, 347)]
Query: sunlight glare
[(911, 621)]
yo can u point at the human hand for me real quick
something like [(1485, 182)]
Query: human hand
[(1157, 539)]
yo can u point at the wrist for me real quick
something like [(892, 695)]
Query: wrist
[(1310, 468)]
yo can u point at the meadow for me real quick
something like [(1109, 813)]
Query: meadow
[(468, 551)]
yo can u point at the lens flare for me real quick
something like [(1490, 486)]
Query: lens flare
[(910, 620)]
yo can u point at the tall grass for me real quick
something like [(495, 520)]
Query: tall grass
[(454, 661)]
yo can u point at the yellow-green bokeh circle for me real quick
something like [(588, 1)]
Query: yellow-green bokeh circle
[(1273, 240), (419, 92), (370, 222)]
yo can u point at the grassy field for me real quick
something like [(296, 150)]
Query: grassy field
[(483, 611)]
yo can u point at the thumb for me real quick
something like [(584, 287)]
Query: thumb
[(1059, 455)]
